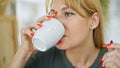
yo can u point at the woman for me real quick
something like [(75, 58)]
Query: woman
[(81, 45)]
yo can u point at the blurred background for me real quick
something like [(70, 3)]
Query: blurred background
[(15, 14)]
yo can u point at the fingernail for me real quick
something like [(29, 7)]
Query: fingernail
[(105, 45), (32, 34), (101, 66), (48, 17), (111, 42), (39, 24), (101, 59), (54, 12)]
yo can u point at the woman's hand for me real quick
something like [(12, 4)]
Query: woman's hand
[(112, 58), (26, 48), (27, 33)]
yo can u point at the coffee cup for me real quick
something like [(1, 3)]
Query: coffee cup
[(48, 35)]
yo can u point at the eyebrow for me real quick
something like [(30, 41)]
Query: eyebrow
[(64, 8)]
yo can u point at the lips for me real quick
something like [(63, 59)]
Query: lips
[(63, 37), (60, 41)]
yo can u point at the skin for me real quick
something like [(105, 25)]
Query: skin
[(77, 40), (112, 58), (78, 36)]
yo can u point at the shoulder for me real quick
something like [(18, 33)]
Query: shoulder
[(102, 52), (97, 62)]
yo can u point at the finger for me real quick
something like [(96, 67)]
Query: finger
[(34, 25), (110, 63), (110, 54), (37, 24), (112, 57), (53, 13), (111, 46), (27, 32), (107, 63), (114, 46), (107, 45), (41, 19)]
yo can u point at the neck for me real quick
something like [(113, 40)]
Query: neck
[(82, 56)]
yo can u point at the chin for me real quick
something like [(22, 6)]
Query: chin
[(60, 46)]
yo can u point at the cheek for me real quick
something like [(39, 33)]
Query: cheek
[(79, 31)]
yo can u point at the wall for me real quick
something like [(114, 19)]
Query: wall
[(8, 34), (112, 31)]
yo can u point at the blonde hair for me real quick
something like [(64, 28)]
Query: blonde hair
[(90, 7)]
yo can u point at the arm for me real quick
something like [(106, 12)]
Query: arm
[(26, 49), (20, 58)]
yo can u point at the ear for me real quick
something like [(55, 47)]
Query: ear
[(94, 21)]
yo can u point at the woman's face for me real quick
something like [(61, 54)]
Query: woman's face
[(77, 29)]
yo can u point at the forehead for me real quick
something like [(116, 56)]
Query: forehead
[(58, 4)]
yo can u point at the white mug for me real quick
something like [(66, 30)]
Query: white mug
[(48, 35)]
